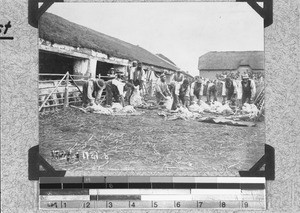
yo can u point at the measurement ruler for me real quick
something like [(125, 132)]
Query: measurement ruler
[(153, 192)]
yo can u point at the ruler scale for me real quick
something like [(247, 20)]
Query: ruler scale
[(121, 192)]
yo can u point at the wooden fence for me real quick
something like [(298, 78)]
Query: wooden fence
[(55, 94)]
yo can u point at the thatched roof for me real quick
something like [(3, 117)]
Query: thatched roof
[(186, 74), (61, 31), (165, 58), (231, 60)]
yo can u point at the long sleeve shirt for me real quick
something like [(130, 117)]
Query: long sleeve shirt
[(209, 85), (196, 88), (120, 85), (177, 78), (162, 88), (131, 71), (249, 86), (239, 89), (91, 91), (184, 90), (232, 87)]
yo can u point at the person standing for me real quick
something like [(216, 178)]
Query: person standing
[(248, 89), (143, 79), (111, 73), (231, 90), (131, 69), (178, 80), (92, 91), (239, 92)]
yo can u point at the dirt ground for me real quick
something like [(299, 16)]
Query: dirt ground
[(87, 143)]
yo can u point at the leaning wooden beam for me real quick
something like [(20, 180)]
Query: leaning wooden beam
[(81, 109), (53, 105), (72, 79), (41, 107)]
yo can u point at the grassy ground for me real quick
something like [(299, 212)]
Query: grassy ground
[(146, 144)]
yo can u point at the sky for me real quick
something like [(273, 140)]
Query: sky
[(182, 31)]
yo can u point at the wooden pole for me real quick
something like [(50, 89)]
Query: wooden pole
[(66, 101), (51, 93), (72, 79)]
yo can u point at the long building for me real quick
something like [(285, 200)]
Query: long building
[(215, 63), (66, 46)]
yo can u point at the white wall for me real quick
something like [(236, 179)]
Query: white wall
[(81, 67), (92, 68)]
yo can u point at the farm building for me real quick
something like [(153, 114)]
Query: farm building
[(66, 46), (165, 58), (215, 63), (171, 74)]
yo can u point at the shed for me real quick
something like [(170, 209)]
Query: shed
[(216, 63), (66, 46)]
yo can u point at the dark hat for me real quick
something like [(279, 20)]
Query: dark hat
[(185, 81), (100, 83)]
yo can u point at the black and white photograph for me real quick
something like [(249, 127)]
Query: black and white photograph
[(146, 88)]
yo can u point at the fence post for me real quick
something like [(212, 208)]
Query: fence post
[(55, 89), (66, 100)]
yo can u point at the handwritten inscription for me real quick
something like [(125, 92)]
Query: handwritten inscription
[(52, 204), (4, 29), (69, 155)]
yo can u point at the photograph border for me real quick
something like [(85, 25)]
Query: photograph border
[(253, 169), (19, 117)]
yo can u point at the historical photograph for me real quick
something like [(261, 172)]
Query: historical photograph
[(140, 88)]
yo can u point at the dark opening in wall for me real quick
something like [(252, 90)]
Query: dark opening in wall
[(103, 68), (55, 64)]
